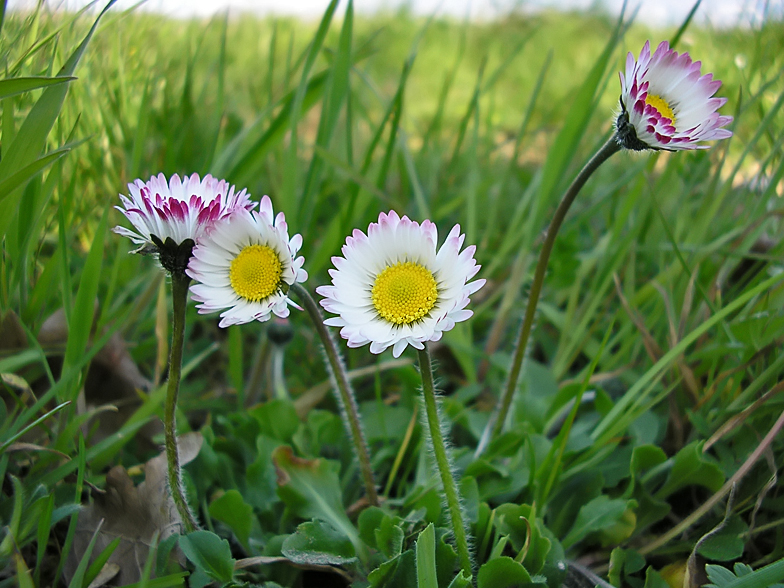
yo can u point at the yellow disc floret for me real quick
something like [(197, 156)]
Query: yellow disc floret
[(255, 273), (661, 105), (404, 292)]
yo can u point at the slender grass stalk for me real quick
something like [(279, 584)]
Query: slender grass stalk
[(497, 420), (180, 283), (345, 393), (706, 507), (442, 460)]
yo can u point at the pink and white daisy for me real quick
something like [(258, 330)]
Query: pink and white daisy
[(667, 104), (245, 266), (392, 288), (178, 209)]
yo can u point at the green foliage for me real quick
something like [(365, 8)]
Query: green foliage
[(504, 572), (319, 543), (524, 530), (235, 512), (277, 419), (426, 558), (210, 554), (311, 489), (727, 543), (381, 531), (742, 576), (654, 580), (600, 513), (690, 467), (398, 572)]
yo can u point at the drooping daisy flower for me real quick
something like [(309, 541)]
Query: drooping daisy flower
[(245, 265), (667, 104), (170, 216), (393, 289)]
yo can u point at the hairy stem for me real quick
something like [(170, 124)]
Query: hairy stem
[(442, 460), (345, 393), (497, 420), (180, 283)]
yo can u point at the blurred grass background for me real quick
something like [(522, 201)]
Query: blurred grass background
[(474, 109), (172, 96)]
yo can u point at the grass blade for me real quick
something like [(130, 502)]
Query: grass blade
[(28, 172), (426, 558), (618, 419), (333, 102), (14, 86), (83, 314), (31, 138), (290, 201)]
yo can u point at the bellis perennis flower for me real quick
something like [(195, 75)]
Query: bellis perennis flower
[(393, 289), (169, 217), (245, 265), (667, 104)]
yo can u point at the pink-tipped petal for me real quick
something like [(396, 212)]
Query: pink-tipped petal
[(667, 103), (391, 243)]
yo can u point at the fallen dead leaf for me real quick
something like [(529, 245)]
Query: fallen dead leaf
[(134, 514), (12, 334), (107, 573), (113, 378), (19, 385)]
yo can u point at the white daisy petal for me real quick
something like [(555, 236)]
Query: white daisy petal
[(376, 347), (243, 266), (393, 288), (667, 104), (399, 347)]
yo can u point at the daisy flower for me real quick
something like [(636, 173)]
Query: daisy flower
[(168, 217), (245, 265), (393, 289), (667, 104)]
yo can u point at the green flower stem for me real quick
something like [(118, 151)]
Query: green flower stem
[(442, 460), (345, 394), (180, 283), (498, 419)]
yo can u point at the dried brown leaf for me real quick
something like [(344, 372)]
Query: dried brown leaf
[(107, 573), (18, 384), (54, 330), (12, 334), (113, 378), (135, 514)]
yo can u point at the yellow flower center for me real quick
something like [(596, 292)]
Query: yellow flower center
[(661, 105), (404, 292), (255, 272)]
